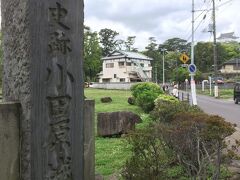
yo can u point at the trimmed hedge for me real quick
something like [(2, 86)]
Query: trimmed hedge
[(145, 94)]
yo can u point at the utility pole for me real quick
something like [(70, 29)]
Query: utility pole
[(156, 72), (163, 58), (216, 91), (192, 43), (192, 82), (214, 40), (163, 68)]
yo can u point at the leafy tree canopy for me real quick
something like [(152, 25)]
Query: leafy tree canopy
[(108, 40), (92, 55)]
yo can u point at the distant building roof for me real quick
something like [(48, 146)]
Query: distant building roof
[(227, 36), (126, 54), (233, 61)]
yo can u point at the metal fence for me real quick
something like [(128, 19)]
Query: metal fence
[(185, 96)]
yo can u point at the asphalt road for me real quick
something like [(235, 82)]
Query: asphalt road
[(225, 108)]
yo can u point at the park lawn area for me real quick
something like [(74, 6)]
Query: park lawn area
[(119, 100), (224, 93), (112, 153)]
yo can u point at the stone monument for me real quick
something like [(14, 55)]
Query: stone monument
[(43, 52)]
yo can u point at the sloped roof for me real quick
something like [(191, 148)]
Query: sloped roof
[(126, 54), (233, 61), (228, 36)]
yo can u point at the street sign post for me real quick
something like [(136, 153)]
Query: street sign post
[(192, 68), (184, 65), (193, 91), (184, 58)]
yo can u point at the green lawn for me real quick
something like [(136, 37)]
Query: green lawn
[(223, 93), (119, 98), (111, 153)]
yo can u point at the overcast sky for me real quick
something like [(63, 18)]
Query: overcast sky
[(162, 19)]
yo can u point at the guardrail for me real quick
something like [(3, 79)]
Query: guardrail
[(185, 96)]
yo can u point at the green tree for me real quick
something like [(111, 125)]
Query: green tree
[(108, 41), (176, 44), (171, 62), (126, 45), (174, 47), (204, 56), (180, 74), (92, 55), (129, 43), (120, 44), (153, 52), (232, 50)]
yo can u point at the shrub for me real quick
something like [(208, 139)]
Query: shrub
[(145, 94), (167, 99), (150, 159), (167, 106), (188, 147), (197, 141)]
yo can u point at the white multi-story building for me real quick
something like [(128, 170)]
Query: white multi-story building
[(227, 37), (231, 68), (123, 66)]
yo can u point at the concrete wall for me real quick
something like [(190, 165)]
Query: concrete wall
[(124, 86), (9, 141), (89, 140)]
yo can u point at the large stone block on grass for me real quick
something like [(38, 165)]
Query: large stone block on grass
[(9, 141), (106, 99), (116, 123)]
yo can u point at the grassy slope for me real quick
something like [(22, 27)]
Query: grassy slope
[(224, 93), (111, 153)]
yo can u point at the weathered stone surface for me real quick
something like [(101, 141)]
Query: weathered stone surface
[(99, 177), (43, 51), (89, 140), (16, 68), (106, 99), (9, 141), (116, 123)]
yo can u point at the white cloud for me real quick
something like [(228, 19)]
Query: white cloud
[(159, 18)]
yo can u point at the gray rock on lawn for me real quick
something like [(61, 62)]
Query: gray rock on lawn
[(106, 99), (116, 123), (131, 100)]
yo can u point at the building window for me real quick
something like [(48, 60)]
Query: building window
[(142, 64), (149, 65), (115, 75), (105, 80), (122, 79), (109, 65), (236, 67), (129, 64), (121, 64)]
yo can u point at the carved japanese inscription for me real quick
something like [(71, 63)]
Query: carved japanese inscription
[(59, 146), (43, 71), (58, 143)]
